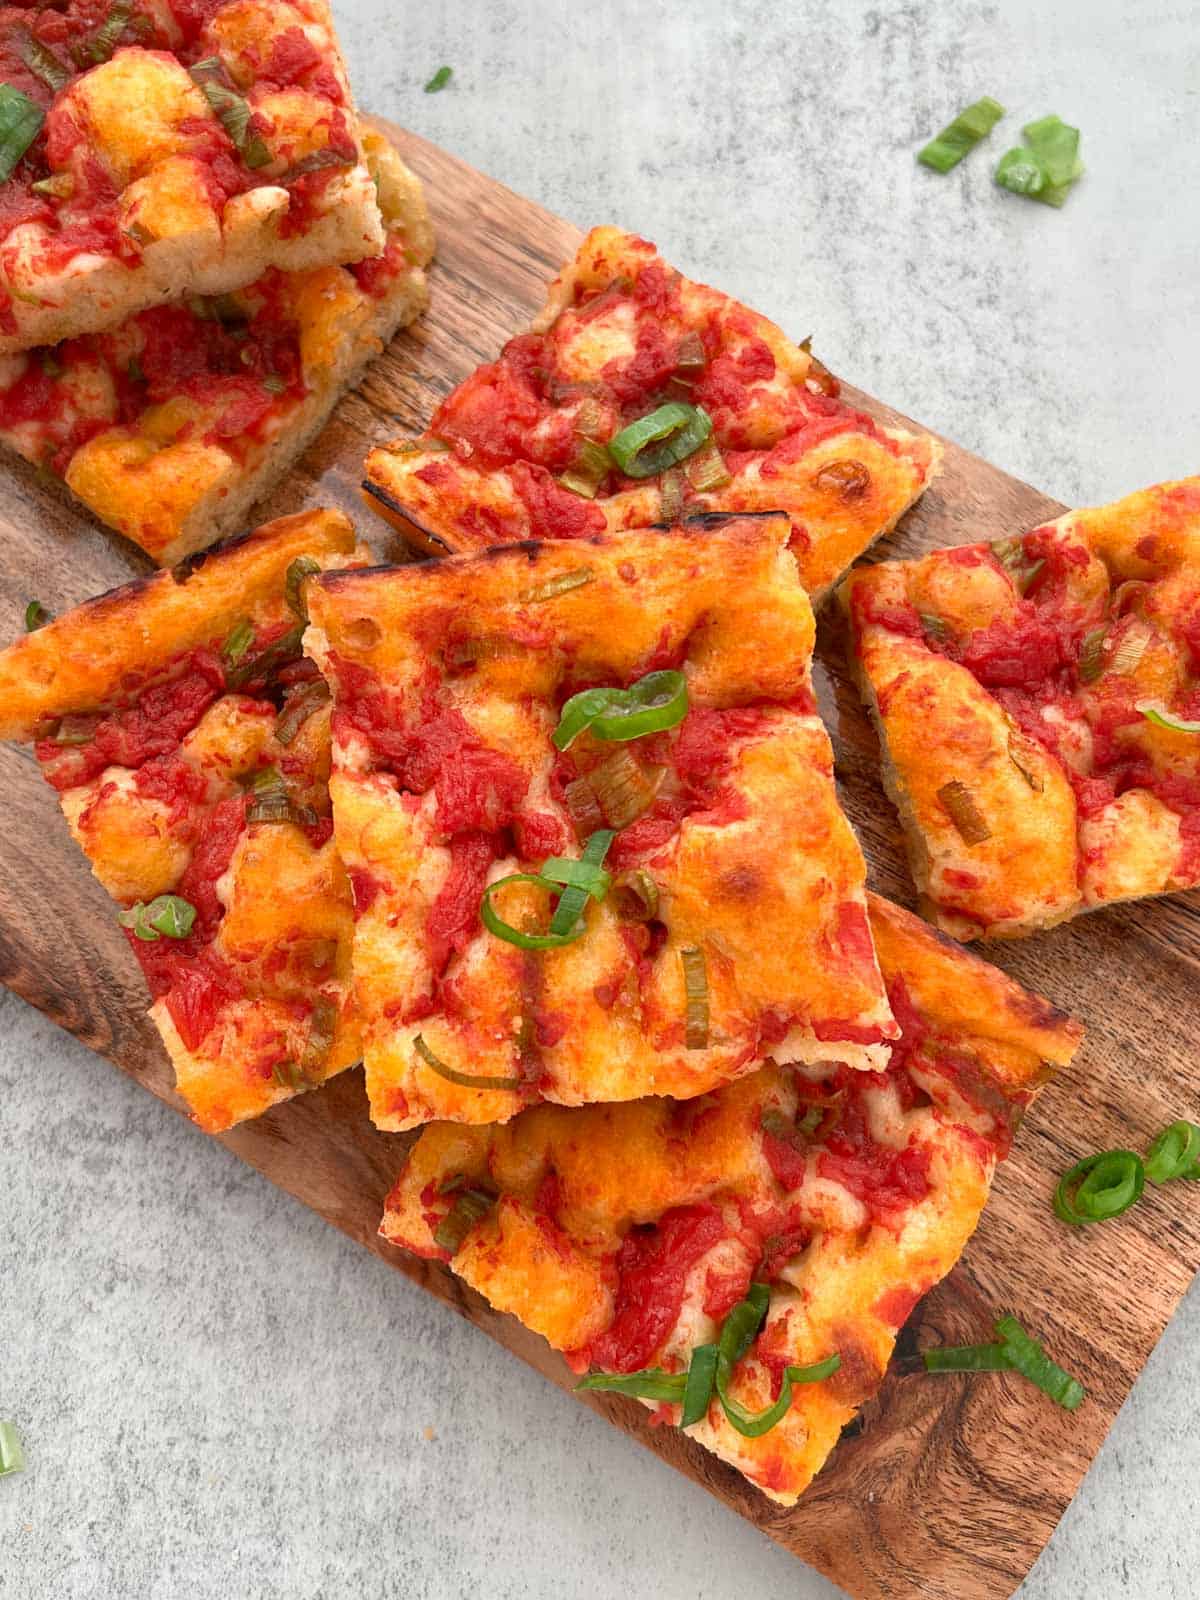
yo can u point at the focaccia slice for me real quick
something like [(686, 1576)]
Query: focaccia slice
[(625, 1234), (181, 149), (170, 426), (518, 451), (1010, 684), (188, 740), (447, 680)]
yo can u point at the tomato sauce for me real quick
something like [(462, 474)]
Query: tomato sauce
[(652, 1267), (453, 918)]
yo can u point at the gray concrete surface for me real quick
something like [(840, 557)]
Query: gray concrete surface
[(221, 1397)]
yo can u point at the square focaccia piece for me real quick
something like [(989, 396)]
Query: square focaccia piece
[(1037, 702), (169, 426), (188, 740), (736, 922), (158, 148), (626, 1235), (535, 444)]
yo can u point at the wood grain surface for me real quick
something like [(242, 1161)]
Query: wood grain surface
[(947, 1487)]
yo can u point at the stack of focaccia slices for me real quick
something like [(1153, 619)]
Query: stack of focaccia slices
[(201, 249)]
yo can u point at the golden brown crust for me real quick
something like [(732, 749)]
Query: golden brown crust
[(173, 478), (254, 1002), (148, 129), (756, 866), (1016, 673), (586, 1197), (791, 445)]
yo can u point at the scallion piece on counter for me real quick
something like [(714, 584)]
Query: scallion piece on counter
[(1155, 712), (967, 1358), (12, 1456), (439, 80), (1046, 167), (1100, 1187), (1174, 1153), (660, 440), (36, 616), (1020, 171), (961, 136), (465, 1080), (20, 123)]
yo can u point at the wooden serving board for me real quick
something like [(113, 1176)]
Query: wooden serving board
[(947, 1488)]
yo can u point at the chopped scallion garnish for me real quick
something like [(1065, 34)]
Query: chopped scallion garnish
[(1100, 1187), (695, 988), (231, 110), (652, 704), (961, 136), (36, 616), (470, 1207), (12, 1456), (553, 587), (465, 1080), (439, 80), (583, 878), (20, 123), (963, 810), (1155, 712), (167, 915), (293, 587), (661, 440), (1013, 1351), (1174, 1153)]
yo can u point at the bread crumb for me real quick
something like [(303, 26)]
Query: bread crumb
[(428, 1433)]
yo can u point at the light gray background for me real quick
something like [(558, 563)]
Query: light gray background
[(221, 1396)]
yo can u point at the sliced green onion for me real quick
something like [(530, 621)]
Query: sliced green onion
[(578, 484), (238, 642), (1020, 171), (43, 63), (967, 1358), (1100, 1187), (1174, 1153), (274, 384), (106, 39), (584, 806), (293, 586), (1130, 649), (695, 984), (661, 440), (1091, 655), (959, 138), (59, 186), (652, 704), (588, 470), (698, 1390), (465, 1080), (291, 1075), (583, 878), (495, 923), (961, 807), (1056, 145), (635, 896), (1155, 712), (670, 495), (12, 1456), (322, 1027), (272, 803), (36, 616), (753, 1424), (168, 915), (471, 1206), (285, 649), (690, 355), (624, 789), (439, 80), (297, 709), (707, 471), (934, 626), (20, 123), (742, 1324), (650, 1384), (1031, 1361), (76, 728), (553, 587), (231, 110), (1035, 782)]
